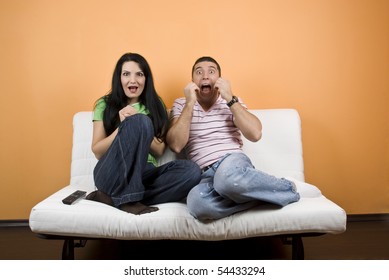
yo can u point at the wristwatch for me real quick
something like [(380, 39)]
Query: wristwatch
[(232, 101)]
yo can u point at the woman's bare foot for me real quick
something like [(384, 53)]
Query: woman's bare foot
[(137, 208)]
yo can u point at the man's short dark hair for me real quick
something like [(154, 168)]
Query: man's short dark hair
[(207, 58)]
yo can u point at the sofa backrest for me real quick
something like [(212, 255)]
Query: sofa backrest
[(279, 152)]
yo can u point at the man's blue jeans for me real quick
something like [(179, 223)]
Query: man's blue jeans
[(233, 184), (124, 174)]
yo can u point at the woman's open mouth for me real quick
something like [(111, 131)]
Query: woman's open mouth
[(133, 89)]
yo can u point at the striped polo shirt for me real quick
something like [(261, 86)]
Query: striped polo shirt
[(212, 133)]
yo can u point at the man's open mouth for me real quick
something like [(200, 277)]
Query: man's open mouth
[(205, 87)]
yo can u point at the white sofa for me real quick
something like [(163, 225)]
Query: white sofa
[(279, 152)]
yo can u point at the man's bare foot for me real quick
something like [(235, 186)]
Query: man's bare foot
[(99, 196), (137, 208)]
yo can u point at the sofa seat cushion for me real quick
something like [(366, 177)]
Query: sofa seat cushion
[(172, 221)]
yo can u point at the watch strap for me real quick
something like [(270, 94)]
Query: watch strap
[(232, 101)]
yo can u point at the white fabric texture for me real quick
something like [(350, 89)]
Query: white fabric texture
[(279, 152)]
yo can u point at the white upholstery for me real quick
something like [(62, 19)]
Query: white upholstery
[(279, 152)]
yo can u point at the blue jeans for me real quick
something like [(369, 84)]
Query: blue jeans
[(124, 174), (232, 185)]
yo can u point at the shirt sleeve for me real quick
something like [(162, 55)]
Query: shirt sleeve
[(99, 110)]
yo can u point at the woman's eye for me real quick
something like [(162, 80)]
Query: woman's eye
[(141, 74)]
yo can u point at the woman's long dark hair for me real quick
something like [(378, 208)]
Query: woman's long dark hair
[(116, 98)]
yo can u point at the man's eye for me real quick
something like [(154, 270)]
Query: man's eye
[(199, 72), (212, 72)]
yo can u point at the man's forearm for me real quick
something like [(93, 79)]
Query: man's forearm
[(248, 124), (178, 134)]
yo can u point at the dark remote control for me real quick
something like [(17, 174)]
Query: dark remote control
[(73, 197)]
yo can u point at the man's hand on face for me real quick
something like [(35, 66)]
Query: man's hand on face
[(191, 91), (224, 88)]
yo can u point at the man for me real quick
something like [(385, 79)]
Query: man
[(207, 125)]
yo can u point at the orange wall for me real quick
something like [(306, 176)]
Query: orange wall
[(328, 59)]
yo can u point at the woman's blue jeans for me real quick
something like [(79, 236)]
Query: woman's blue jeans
[(233, 184), (124, 174)]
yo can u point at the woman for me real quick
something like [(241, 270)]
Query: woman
[(129, 129)]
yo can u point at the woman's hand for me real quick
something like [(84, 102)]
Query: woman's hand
[(157, 147), (126, 112)]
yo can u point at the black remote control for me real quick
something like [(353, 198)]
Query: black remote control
[(74, 197)]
